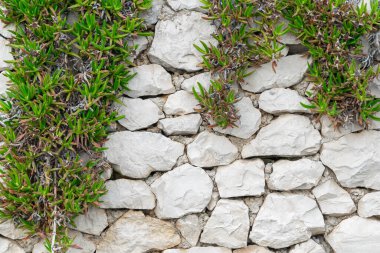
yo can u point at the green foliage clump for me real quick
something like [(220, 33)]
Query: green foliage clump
[(71, 61), (332, 30)]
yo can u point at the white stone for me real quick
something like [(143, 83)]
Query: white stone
[(204, 79), (355, 235), (369, 205), (253, 249), (138, 113), (199, 250), (150, 80), (192, 5), (173, 44), (8, 246), (288, 136), (289, 71), (93, 222), (355, 159), (280, 100), (249, 122), (228, 225), (180, 103), (209, 150), (333, 200), (126, 193), (190, 228), (182, 125), (329, 132), (301, 174), (137, 154), (286, 219), (308, 247), (135, 233), (139, 44), (6, 30), (3, 83), (241, 178), (9, 230), (374, 87), (184, 190), (5, 54), (151, 15)]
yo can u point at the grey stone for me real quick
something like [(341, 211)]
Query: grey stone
[(190, 228), (93, 222), (182, 125), (180, 103), (369, 205), (204, 79)]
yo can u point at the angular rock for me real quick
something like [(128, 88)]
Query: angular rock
[(8, 246), (173, 44), (151, 15), (150, 80), (209, 150), (355, 235), (333, 200), (126, 193), (280, 100), (9, 230), (5, 54), (204, 79), (139, 44), (3, 83), (330, 132), (287, 136), (134, 232), (289, 71), (301, 174), (137, 154), (241, 178), (374, 87), (253, 249), (182, 125), (138, 113), (228, 225), (286, 219), (199, 250), (249, 122), (93, 222), (192, 5), (190, 228), (369, 205), (308, 247), (184, 190), (180, 103), (6, 30), (354, 165)]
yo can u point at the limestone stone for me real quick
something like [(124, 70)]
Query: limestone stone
[(209, 150), (3, 83), (241, 178), (228, 225), (5, 54), (138, 113), (286, 219), (289, 71), (6, 30), (199, 250), (126, 193), (93, 222), (150, 80), (135, 233), (287, 136), (190, 228), (355, 235), (8, 246), (8, 229), (281, 100), (180, 103), (374, 87), (182, 125), (184, 190), (330, 132), (333, 200), (369, 205), (138, 44), (249, 122), (137, 154), (173, 44), (308, 247), (151, 15), (193, 5), (253, 249), (204, 79), (355, 159), (301, 174)]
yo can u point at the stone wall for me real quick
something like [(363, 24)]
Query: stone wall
[(280, 182)]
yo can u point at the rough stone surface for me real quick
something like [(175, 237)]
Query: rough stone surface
[(355, 235), (241, 178), (208, 150), (333, 200), (182, 125), (137, 154), (151, 15), (369, 205), (286, 219), (180, 103), (173, 44), (253, 249), (9, 230), (6, 30), (204, 79), (249, 122), (193, 5), (374, 87), (330, 132), (308, 247), (5, 54), (184, 190), (3, 83), (134, 233), (150, 80), (355, 159), (138, 113), (126, 193), (280, 100), (94, 221), (284, 137), (190, 228), (295, 175), (228, 225), (8, 246), (199, 250), (289, 71)]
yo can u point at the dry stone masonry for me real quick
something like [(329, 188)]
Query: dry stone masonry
[(280, 182)]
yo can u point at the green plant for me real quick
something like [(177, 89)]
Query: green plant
[(64, 79)]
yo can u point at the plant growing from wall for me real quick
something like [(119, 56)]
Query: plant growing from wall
[(65, 76)]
